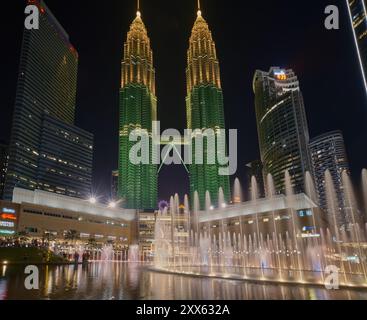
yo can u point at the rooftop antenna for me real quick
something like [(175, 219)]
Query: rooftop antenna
[(199, 8), (138, 8)]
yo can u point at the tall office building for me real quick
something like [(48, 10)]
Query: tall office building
[(138, 183), (3, 166), (205, 110), (46, 150), (328, 153), (358, 18), (282, 127), (65, 159)]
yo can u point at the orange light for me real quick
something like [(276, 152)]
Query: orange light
[(237, 199), (281, 77), (8, 216)]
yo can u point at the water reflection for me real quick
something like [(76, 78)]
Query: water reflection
[(127, 281)]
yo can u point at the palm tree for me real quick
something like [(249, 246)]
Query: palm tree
[(71, 235)]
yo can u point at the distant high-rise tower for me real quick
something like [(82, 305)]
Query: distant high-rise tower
[(46, 150), (3, 166), (358, 18), (138, 183), (114, 184), (204, 108), (328, 153), (282, 127)]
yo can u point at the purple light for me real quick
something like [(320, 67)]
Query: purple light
[(162, 205)]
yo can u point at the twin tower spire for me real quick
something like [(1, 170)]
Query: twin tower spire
[(138, 183)]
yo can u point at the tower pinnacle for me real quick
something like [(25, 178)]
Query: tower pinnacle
[(199, 8), (138, 13)]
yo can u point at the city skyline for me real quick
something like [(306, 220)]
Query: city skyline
[(125, 123), (316, 112)]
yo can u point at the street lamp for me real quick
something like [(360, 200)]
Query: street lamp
[(112, 204), (93, 200)]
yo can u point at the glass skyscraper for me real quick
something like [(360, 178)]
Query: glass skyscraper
[(328, 153), (358, 18), (138, 183), (205, 110), (46, 150), (65, 158), (282, 127)]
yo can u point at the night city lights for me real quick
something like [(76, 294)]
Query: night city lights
[(182, 157)]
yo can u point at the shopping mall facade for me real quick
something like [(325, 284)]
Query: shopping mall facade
[(40, 214)]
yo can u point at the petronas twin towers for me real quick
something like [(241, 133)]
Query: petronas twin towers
[(138, 183)]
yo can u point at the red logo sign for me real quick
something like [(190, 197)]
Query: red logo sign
[(6, 216)]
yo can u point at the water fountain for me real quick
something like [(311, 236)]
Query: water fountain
[(274, 244), (133, 253), (107, 253), (237, 191)]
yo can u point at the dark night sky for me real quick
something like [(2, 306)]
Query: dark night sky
[(249, 35)]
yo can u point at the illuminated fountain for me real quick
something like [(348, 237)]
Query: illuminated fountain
[(133, 253), (281, 238), (107, 253)]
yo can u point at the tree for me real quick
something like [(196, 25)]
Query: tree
[(92, 243), (71, 235)]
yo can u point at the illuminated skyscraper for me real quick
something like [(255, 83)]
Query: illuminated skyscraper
[(138, 183), (358, 18), (47, 151), (282, 127), (328, 153), (205, 110)]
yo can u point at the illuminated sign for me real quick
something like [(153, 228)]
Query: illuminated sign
[(8, 216), (6, 232), (280, 75), (310, 235), (7, 224), (6, 210), (305, 213)]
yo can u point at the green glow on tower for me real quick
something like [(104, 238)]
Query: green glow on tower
[(138, 184), (205, 110)]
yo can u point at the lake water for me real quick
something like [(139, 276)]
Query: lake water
[(129, 281)]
